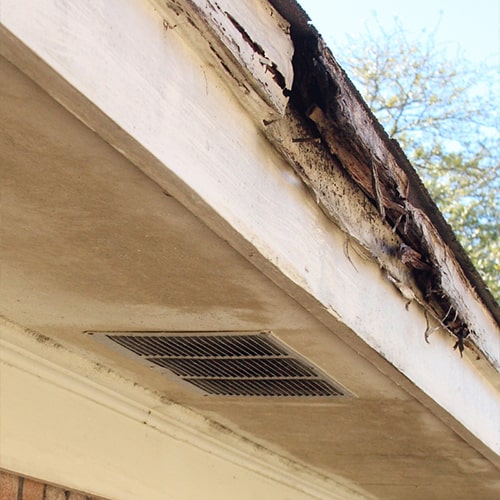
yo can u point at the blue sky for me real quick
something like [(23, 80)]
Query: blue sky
[(473, 26)]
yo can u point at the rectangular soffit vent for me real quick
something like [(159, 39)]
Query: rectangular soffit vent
[(236, 364)]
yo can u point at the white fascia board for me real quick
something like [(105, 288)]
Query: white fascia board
[(68, 421), (253, 35), (148, 92)]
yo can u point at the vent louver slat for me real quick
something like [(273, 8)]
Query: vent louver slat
[(227, 368), (228, 365)]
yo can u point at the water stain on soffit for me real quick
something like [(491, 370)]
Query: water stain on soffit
[(70, 221)]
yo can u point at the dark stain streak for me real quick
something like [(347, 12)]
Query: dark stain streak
[(254, 45), (173, 5), (307, 139), (192, 23), (278, 78), (227, 69), (271, 67), (377, 189)]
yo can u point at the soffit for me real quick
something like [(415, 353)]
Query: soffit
[(90, 243)]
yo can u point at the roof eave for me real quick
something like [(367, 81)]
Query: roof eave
[(327, 98)]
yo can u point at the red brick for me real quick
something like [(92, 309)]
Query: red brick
[(8, 486), (12, 485), (33, 490)]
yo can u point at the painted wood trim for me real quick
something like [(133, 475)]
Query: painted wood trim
[(246, 42)]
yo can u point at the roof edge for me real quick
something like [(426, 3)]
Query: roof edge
[(387, 178)]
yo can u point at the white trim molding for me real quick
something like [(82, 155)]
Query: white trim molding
[(69, 421)]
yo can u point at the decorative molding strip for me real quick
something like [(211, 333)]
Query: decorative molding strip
[(72, 372)]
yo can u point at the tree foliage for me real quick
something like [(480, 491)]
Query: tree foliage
[(443, 111)]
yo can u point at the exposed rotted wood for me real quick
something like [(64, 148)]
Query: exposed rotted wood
[(250, 42), (323, 93), (340, 119), (419, 197), (412, 258), (334, 190), (377, 188)]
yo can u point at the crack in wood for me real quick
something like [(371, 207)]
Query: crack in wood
[(323, 93), (270, 66)]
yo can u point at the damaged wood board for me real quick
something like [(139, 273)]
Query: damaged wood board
[(248, 41), (418, 261), (325, 131)]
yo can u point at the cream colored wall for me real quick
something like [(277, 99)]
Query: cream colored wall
[(117, 440)]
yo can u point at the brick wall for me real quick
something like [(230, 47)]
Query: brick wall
[(14, 487)]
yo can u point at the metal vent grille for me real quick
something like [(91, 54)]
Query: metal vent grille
[(228, 365)]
